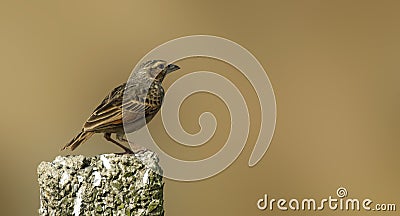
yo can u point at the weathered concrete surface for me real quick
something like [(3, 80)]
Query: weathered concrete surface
[(107, 184)]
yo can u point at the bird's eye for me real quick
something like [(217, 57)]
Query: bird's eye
[(161, 66)]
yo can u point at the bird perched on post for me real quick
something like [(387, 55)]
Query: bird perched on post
[(132, 104)]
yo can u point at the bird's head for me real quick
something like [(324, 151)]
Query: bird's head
[(157, 69)]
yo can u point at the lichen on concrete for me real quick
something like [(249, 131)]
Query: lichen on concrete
[(107, 184)]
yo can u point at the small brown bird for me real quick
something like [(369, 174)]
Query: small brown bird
[(143, 98)]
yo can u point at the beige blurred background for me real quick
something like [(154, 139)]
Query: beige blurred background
[(334, 67)]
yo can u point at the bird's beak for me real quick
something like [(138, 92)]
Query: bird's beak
[(171, 67)]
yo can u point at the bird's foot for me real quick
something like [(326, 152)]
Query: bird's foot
[(124, 153), (136, 149)]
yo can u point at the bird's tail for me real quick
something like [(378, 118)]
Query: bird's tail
[(79, 139)]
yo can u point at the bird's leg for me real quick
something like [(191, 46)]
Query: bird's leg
[(107, 136), (135, 148), (121, 137)]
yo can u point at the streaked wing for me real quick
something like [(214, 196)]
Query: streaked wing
[(108, 115)]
